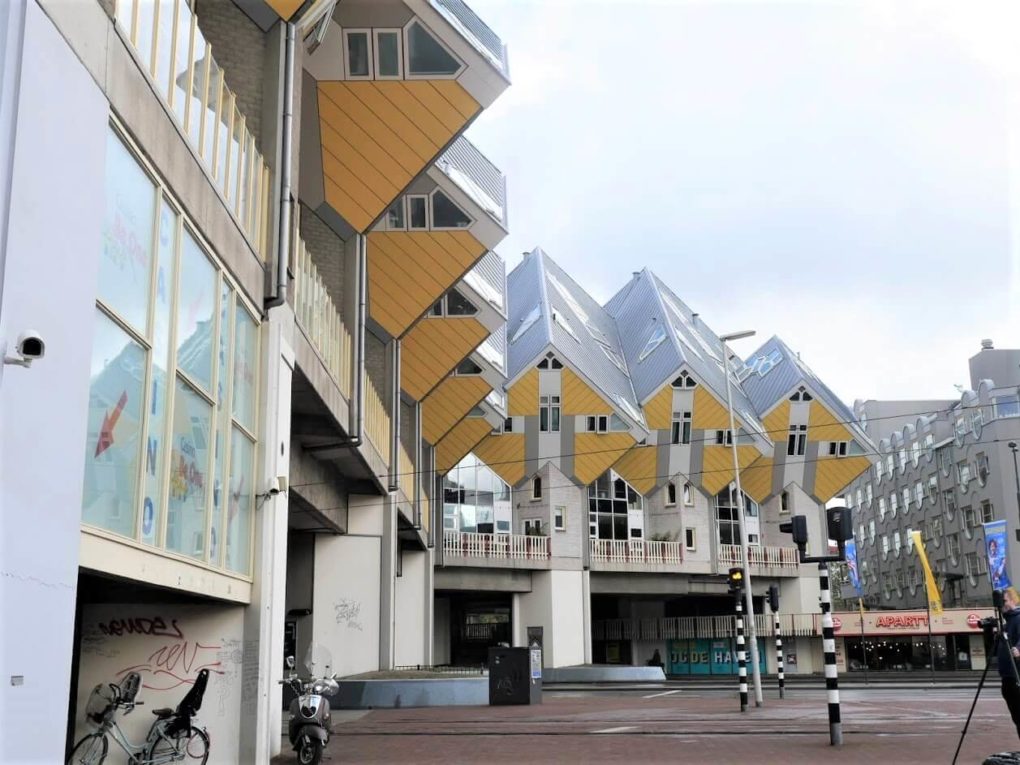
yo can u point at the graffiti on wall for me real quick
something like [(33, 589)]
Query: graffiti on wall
[(349, 612)]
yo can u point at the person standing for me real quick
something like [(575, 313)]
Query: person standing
[(1009, 650)]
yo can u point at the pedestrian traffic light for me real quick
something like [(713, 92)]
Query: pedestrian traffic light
[(774, 598), (797, 526), (841, 524), (736, 580)]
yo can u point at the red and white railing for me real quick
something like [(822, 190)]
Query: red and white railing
[(463, 544), (636, 551)]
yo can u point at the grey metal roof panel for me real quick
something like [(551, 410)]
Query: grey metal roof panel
[(638, 312), (475, 31), (783, 371), (616, 301), (476, 176), (524, 294)]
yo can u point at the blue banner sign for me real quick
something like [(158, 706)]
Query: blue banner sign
[(851, 565), (996, 546)]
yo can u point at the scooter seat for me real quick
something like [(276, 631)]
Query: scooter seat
[(163, 713)]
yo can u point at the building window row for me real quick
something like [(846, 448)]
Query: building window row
[(395, 54), (170, 456)]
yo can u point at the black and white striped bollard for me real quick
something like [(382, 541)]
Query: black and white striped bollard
[(741, 656), (779, 657), (829, 649)]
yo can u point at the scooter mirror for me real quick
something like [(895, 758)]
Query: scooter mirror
[(290, 662)]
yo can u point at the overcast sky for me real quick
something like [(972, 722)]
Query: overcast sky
[(837, 173)]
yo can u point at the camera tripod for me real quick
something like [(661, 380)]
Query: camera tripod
[(999, 628)]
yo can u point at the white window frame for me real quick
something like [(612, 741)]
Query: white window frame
[(690, 539), (560, 517), (407, 58), (407, 211), (670, 485), (431, 208), (531, 523), (724, 437), (838, 448), (536, 481), (688, 494), (400, 52), (369, 40)]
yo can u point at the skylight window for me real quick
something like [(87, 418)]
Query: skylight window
[(611, 355), (596, 333), (526, 323), (569, 298), (689, 328), (654, 341), (629, 408), (560, 319)]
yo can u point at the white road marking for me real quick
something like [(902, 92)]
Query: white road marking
[(616, 730), (664, 693)]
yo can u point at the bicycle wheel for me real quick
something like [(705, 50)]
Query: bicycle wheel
[(190, 745), (91, 750)]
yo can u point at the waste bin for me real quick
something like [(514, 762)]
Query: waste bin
[(515, 676)]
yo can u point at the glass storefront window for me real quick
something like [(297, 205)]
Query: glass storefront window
[(239, 503), (126, 263), (196, 313), (187, 510), (113, 443), (171, 430)]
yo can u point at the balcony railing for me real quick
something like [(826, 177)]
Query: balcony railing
[(172, 49), (405, 473), (377, 421), (320, 319), (762, 558), (495, 546), (636, 551)]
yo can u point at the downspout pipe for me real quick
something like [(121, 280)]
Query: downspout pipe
[(287, 139), (417, 466), (395, 420)]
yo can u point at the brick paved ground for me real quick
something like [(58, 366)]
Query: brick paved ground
[(919, 725)]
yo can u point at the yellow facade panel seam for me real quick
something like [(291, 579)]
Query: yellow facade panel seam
[(385, 110)]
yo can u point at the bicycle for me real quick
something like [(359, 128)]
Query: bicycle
[(172, 737)]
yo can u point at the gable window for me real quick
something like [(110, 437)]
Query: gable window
[(837, 448), (684, 381), (446, 213), (458, 305), (388, 53), (801, 395), (688, 493), (466, 368), (549, 414), (796, 444), (615, 509), (670, 494), (690, 539), (654, 341), (357, 54), (426, 56), (784, 502), (724, 437), (560, 518), (395, 216), (536, 487)]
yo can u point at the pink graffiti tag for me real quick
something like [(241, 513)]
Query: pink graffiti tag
[(175, 664)]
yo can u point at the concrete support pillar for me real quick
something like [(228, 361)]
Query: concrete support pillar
[(430, 611), (262, 662), (516, 623), (387, 583), (586, 622)]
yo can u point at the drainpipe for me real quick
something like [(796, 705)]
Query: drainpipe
[(395, 419), (287, 136), (417, 466)]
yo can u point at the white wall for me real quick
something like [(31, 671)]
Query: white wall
[(409, 636), (167, 645), (556, 604), (346, 602), (52, 251)]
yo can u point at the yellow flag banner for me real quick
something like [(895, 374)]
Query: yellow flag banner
[(934, 596)]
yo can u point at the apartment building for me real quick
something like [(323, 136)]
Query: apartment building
[(261, 264), (942, 467), (599, 517)]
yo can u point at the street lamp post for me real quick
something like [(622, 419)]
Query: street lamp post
[(748, 600), (1016, 475)]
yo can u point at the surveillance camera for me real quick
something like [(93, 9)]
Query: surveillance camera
[(29, 348), (31, 345)]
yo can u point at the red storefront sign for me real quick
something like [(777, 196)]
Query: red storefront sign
[(952, 620)]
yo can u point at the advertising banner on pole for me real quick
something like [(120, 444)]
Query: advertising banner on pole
[(851, 565), (996, 545)]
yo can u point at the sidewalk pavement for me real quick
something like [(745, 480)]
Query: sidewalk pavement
[(915, 726)]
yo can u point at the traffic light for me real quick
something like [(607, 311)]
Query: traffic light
[(774, 598), (841, 524), (797, 526), (736, 580)]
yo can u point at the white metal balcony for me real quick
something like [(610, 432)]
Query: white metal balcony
[(761, 559), (635, 553), (494, 547)]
